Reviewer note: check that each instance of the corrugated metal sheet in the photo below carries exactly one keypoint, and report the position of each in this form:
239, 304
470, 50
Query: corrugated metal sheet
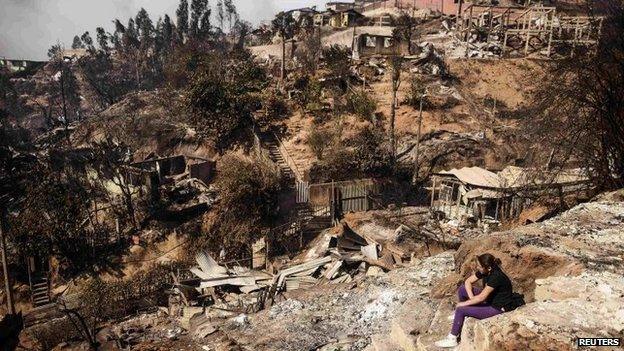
514, 177
475, 176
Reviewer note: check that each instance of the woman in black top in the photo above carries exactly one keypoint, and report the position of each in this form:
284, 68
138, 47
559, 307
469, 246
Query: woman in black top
496, 297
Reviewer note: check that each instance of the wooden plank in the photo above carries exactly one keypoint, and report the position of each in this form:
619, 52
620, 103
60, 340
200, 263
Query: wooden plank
333, 270
311, 271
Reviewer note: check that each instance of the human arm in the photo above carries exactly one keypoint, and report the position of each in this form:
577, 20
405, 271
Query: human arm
481, 297
468, 285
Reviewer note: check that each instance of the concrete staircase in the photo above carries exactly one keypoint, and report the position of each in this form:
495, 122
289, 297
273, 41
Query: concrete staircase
40, 291
275, 153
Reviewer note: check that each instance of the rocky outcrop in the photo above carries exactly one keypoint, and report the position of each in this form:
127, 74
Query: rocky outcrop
566, 308
571, 269
587, 237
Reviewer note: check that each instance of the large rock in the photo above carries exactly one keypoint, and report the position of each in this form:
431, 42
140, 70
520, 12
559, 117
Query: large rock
545, 325
571, 266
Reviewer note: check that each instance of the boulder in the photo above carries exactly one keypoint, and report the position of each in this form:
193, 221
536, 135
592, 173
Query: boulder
570, 266
545, 325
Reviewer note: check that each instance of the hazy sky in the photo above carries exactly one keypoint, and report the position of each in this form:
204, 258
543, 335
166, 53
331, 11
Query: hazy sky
29, 27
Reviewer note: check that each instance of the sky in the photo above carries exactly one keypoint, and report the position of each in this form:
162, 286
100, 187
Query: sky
29, 27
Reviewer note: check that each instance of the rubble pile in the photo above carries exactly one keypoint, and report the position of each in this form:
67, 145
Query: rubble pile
347, 316
334, 260
429, 61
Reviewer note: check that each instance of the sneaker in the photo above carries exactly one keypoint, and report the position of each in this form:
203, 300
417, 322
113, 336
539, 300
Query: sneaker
448, 342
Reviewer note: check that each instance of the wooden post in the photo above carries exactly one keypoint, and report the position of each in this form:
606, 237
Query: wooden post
30, 281
266, 251
433, 188
283, 66
528, 37
458, 201
496, 213
332, 202
5, 268
417, 166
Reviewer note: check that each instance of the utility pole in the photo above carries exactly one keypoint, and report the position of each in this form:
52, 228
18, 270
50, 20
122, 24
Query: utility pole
417, 165
5, 268
62, 81
283, 32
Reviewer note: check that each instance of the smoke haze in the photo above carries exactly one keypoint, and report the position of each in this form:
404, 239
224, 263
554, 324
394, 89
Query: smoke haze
29, 27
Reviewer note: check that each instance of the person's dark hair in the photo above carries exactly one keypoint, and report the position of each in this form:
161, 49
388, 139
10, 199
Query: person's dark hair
489, 261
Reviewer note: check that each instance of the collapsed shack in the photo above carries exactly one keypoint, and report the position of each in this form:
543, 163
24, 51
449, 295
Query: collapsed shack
476, 194
182, 179
224, 290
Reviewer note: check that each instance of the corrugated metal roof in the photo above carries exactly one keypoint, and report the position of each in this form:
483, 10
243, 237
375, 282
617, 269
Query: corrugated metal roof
514, 177
476, 176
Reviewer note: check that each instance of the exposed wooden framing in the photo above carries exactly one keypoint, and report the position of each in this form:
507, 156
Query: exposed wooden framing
535, 28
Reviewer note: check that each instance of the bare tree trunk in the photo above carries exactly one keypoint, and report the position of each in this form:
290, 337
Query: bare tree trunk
396, 83
65, 120
283, 67
5, 267
392, 121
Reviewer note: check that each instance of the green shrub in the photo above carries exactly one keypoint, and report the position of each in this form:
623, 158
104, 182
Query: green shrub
274, 108
416, 89
319, 140
309, 93
359, 102
248, 205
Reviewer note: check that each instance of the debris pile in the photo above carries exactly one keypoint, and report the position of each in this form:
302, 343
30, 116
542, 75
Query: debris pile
332, 318
429, 61
331, 260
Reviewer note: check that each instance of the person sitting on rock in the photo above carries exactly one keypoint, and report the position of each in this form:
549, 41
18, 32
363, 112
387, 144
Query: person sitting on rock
496, 297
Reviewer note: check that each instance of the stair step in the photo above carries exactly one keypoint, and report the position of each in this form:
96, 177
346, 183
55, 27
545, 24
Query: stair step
40, 302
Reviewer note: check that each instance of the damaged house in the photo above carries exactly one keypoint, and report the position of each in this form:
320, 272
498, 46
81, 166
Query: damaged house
375, 45
184, 179
338, 19
474, 193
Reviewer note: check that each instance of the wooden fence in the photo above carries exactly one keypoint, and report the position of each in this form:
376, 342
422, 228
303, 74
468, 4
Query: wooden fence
345, 196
